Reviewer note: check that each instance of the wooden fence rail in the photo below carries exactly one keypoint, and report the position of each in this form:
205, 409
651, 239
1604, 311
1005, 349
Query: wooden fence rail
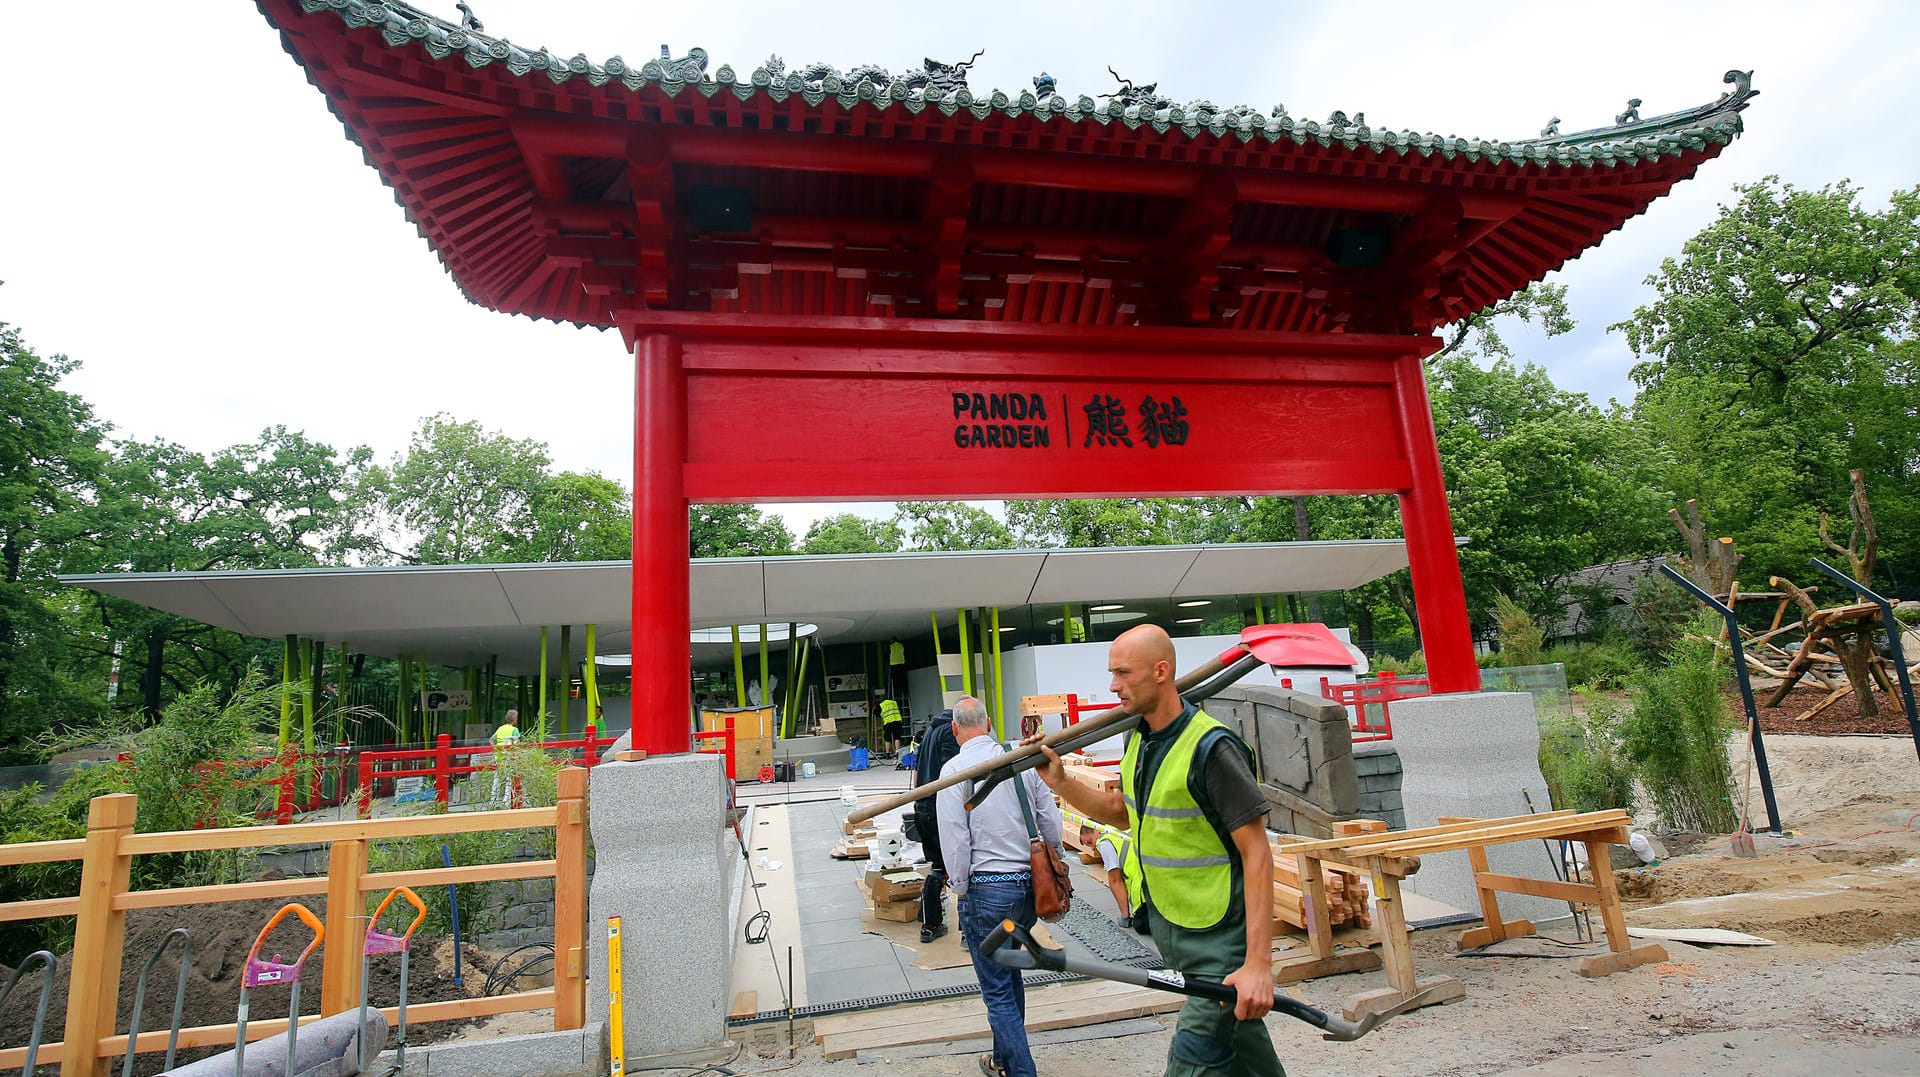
106, 855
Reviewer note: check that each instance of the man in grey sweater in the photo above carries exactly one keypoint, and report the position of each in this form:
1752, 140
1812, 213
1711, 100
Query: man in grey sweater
991, 872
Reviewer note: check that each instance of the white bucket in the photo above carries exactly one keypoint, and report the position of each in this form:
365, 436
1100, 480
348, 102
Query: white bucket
807, 769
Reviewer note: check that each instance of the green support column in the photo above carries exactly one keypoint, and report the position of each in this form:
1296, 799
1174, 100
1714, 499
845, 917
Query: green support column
340, 700
999, 686
566, 679
966, 658
787, 720
590, 681
766, 689
1259, 611
287, 675
800, 679
313, 656
540, 726
401, 711
739, 670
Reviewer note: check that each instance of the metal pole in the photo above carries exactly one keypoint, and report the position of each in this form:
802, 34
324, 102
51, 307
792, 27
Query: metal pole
1746, 693
1893, 640
766, 688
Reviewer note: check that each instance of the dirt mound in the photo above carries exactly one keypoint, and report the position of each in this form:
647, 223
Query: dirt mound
220, 935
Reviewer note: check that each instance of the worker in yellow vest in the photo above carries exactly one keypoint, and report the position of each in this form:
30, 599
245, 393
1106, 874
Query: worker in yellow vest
1189, 798
897, 668
1115, 848
892, 724
505, 736
1075, 630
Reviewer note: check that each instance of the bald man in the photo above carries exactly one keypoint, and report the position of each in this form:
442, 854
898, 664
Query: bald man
1189, 795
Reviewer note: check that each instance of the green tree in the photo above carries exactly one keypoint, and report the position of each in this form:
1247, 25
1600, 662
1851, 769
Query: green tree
848, 533
283, 501
1076, 522
735, 531
1778, 354
1539, 303
459, 494
950, 525
1541, 482
575, 517
50, 462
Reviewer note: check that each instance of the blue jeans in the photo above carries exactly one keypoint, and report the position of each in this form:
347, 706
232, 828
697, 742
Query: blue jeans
981, 909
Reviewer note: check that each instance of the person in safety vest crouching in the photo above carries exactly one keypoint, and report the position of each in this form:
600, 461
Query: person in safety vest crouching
1190, 800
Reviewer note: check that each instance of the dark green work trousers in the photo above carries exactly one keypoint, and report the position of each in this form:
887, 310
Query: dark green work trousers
1208, 1042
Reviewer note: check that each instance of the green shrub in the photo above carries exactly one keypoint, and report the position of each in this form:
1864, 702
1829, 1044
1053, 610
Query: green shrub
1520, 638
1658, 612
1582, 759
1607, 665
1677, 735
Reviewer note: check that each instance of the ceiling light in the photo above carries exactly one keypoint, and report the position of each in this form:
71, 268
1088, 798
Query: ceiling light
1007, 628
1108, 606
1189, 620
1190, 603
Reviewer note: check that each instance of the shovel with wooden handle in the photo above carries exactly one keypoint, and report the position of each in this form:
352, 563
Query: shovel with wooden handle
1012, 946
1305, 646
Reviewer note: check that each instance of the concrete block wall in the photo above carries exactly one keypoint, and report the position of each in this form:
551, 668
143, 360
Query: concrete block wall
1376, 769
1306, 760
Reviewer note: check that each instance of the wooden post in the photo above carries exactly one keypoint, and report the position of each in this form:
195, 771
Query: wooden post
346, 927
1623, 954
570, 902
93, 996
1313, 891
1396, 949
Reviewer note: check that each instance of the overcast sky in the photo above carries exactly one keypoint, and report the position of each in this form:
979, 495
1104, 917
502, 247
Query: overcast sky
180, 212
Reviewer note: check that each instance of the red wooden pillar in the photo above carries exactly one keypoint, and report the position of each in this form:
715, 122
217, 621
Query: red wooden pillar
661, 665
1439, 595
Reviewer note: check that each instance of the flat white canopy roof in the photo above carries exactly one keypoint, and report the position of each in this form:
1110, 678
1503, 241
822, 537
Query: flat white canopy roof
448, 612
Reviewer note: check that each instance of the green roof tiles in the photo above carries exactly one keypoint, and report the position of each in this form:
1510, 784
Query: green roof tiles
1607, 147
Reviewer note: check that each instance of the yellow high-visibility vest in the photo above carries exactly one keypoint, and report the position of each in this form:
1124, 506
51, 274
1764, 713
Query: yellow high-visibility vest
1185, 864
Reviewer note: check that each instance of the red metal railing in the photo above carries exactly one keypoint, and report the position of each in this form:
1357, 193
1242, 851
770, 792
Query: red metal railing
1371, 702
440, 765
725, 749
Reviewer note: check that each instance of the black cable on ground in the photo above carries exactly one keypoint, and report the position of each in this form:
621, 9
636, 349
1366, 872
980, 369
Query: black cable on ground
497, 981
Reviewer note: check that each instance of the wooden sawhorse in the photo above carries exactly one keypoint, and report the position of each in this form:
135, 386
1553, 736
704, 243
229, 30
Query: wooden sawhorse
1386, 858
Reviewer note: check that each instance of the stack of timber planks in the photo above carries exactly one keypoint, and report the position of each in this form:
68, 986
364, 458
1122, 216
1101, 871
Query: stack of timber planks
1346, 895
1346, 888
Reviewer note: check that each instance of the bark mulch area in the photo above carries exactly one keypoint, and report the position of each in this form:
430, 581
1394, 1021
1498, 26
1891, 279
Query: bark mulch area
1840, 719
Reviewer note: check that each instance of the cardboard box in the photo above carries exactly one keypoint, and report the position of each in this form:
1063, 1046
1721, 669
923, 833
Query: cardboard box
902, 885
901, 912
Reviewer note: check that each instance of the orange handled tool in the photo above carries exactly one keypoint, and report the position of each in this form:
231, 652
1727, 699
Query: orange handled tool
380, 942
258, 972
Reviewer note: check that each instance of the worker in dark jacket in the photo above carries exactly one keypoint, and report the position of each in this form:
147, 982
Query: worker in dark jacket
937, 745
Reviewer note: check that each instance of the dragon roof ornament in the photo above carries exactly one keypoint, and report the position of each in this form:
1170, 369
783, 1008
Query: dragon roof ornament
944, 86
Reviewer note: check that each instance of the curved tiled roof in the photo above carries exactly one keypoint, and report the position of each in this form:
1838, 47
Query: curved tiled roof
557, 187
1661, 136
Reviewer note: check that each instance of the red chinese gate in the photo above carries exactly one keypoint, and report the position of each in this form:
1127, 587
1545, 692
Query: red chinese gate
924, 294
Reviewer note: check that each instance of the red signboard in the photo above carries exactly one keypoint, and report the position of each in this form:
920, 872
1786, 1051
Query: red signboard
988, 421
